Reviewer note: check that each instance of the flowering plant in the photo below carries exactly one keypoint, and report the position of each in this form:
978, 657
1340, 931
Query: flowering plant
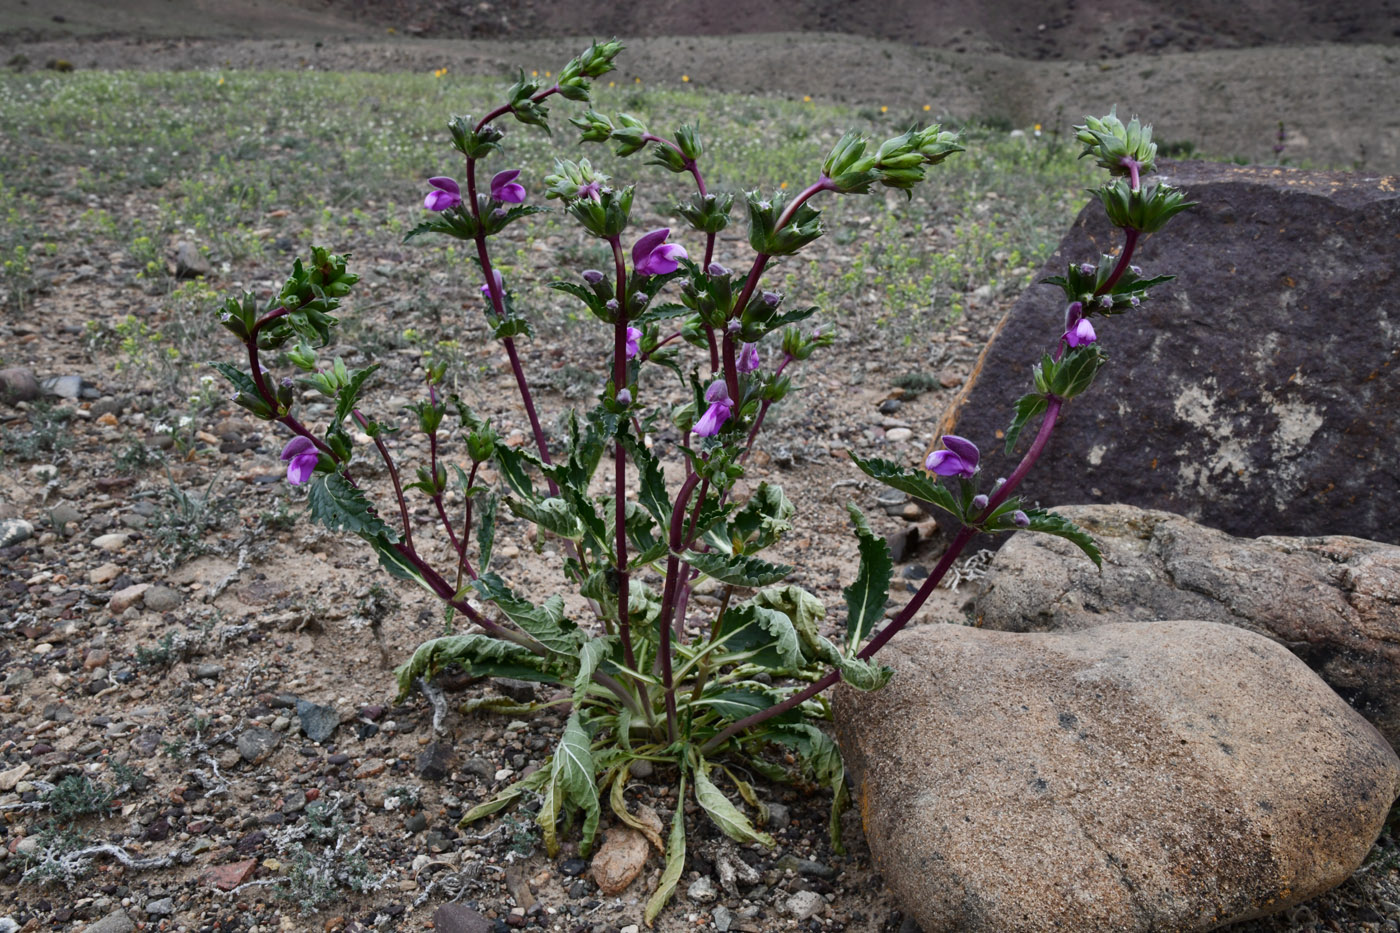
643, 681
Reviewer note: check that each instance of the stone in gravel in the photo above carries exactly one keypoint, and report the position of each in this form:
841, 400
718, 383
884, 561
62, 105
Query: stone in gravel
15, 530
18, 384
1331, 600
779, 816
160, 598
227, 877
805, 905
318, 722
115, 922
146, 743
125, 598
903, 543
521, 691
69, 387
160, 908
370, 768
804, 866
208, 671
104, 574
11, 777
435, 761
890, 405
573, 867
190, 263
1277, 417
459, 918
111, 542
416, 823
1130, 777
898, 435
63, 514
479, 766
619, 860
702, 890
641, 769
723, 918
256, 744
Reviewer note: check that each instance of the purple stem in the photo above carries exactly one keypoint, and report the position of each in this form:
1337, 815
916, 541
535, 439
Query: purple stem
624, 582
393, 475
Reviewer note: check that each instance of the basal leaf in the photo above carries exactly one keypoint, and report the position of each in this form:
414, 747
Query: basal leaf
553, 515
803, 610
592, 654
545, 623
866, 596
478, 655
618, 802
535, 781
736, 570
767, 634
573, 774
730, 820
675, 862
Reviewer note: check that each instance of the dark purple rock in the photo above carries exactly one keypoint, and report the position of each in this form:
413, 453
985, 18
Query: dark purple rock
1258, 392
435, 761
459, 918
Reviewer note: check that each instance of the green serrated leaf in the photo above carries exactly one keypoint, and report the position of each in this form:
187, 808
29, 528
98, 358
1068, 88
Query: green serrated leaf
1052, 523
534, 782
917, 484
675, 863
340, 506
512, 462
867, 595
545, 623
803, 610
766, 633
723, 813
399, 566
486, 531
350, 394
553, 515
573, 776
593, 653
735, 701
478, 655
765, 518
1027, 407
737, 570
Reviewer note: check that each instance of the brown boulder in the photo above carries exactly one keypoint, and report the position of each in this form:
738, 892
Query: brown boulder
1257, 392
620, 859
1124, 779
1333, 601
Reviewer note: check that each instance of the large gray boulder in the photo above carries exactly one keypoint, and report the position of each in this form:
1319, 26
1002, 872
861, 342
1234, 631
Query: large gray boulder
1123, 779
1259, 392
1333, 601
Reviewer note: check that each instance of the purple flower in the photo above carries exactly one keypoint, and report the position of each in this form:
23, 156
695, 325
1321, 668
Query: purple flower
446, 197
301, 458
734, 326
1020, 519
721, 407
652, 255
959, 459
634, 342
1087, 268
623, 396
717, 269
505, 188
1081, 334
500, 284
592, 276
591, 190
748, 358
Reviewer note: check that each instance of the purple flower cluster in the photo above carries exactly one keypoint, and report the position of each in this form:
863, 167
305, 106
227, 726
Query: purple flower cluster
721, 407
959, 458
652, 255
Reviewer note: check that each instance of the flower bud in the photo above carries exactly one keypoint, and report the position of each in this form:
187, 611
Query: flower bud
639, 300
717, 269
772, 299
1020, 519
1087, 268
979, 502
624, 397
592, 276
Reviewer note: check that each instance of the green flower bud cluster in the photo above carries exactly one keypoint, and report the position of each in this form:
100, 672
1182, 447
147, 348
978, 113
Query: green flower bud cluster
1146, 210
801, 346
764, 234
900, 162
1111, 143
707, 213
471, 142
596, 61
522, 105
